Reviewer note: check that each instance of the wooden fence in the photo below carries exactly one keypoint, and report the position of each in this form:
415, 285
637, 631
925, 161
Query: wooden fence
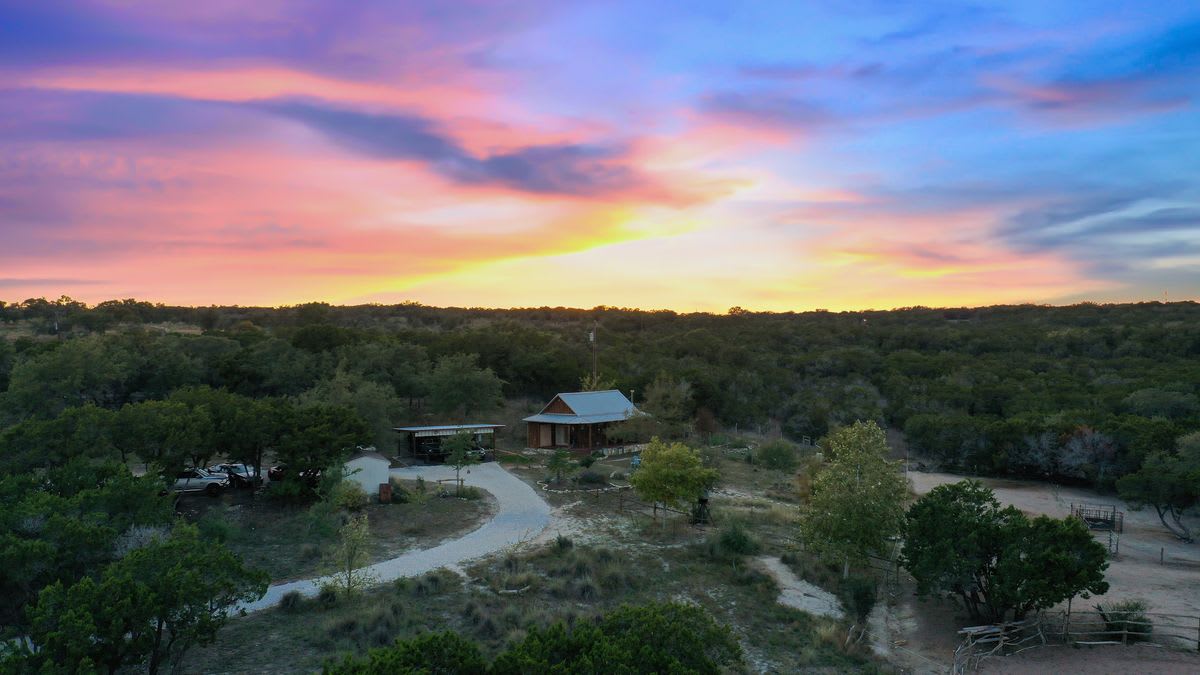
1095, 627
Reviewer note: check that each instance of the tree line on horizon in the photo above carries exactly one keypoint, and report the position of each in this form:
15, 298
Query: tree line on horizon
1083, 394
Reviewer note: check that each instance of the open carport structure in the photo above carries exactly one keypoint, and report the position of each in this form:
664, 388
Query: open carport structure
425, 442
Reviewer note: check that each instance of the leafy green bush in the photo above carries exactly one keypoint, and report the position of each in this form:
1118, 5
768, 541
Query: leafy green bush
430, 653
290, 491
733, 540
214, 525
401, 494
321, 521
349, 495
778, 454
858, 596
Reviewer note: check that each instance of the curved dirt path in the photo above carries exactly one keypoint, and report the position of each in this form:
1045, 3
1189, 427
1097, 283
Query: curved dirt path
521, 515
799, 594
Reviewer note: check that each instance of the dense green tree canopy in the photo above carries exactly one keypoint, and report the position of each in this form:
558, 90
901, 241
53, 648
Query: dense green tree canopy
460, 389
671, 474
1169, 482
1000, 563
147, 608
857, 501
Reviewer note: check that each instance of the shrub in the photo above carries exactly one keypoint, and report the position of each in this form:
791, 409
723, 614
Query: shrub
321, 522
614, 579
585, 589
327, 597
430, 653
778, 454
470, 492
590, 477
587, 462
291, 601
735, 539
309, 551
401, 494
215, 526
1127, 616
558, 588
749, 575
290, 491
518, 581
858, 596
562, 543
349, 495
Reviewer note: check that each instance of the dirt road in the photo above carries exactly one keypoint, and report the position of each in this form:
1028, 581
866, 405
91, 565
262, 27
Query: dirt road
521, 516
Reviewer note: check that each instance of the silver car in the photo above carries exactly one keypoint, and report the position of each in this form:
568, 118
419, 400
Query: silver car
200, 480
240, 475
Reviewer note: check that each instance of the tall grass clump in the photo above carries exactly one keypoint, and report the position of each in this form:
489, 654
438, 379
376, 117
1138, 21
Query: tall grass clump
1127, 617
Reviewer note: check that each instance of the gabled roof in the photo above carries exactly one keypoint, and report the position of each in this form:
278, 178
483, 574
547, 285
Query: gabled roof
588, 407
368, 453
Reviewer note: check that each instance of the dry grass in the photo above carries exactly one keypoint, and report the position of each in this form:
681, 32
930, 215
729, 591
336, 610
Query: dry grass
630, 559
287, 541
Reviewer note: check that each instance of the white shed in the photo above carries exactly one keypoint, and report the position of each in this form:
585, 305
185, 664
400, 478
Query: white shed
369, 469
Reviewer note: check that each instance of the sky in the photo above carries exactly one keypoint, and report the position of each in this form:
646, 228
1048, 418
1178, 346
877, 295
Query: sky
792, 155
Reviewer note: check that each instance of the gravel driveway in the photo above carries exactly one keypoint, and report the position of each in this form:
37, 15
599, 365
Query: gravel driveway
521, 515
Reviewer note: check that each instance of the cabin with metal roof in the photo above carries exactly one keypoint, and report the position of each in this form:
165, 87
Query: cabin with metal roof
579, 420
425, 442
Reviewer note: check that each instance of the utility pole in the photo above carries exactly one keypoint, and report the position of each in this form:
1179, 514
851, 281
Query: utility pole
592, 338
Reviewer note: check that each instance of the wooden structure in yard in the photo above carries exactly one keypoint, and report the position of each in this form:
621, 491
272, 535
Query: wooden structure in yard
425, 442
579, 420
1102, 517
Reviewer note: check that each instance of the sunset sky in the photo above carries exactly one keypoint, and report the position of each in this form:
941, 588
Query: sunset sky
692, 156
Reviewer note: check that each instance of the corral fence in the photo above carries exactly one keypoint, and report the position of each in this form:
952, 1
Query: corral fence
1095, 627
1102, 517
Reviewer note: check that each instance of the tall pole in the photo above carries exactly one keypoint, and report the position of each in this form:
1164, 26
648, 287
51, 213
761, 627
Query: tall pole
592, 335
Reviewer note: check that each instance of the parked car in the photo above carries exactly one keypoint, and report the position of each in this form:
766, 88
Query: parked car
280, 472
240, 475
200, 480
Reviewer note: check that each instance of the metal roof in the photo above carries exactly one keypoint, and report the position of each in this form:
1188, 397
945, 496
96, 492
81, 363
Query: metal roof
449, 427
560, 418
589, 407
596, 402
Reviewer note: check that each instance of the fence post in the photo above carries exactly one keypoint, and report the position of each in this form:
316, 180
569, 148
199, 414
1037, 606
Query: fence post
1125, 633
1067, 622
1198, 635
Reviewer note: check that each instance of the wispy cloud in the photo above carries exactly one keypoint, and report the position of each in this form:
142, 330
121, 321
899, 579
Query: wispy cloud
790, 154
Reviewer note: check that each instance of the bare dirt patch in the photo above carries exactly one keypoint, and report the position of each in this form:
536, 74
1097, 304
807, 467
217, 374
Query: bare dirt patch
798, 594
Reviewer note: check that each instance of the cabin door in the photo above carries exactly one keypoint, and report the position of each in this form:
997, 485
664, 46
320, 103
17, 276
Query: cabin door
562, 432
547, 440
